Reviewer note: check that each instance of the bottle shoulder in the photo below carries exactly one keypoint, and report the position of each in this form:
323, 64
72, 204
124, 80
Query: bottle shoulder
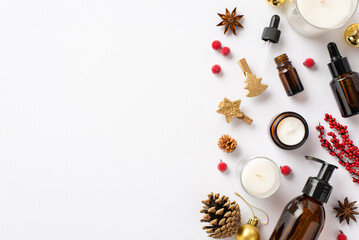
301, 202
346, 76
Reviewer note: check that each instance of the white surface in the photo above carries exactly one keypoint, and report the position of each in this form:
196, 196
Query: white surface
108, 118
325, 13
260, 177
290, 131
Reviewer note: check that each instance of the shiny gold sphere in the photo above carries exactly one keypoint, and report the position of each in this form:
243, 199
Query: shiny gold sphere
248, 232
351, 35
275, 3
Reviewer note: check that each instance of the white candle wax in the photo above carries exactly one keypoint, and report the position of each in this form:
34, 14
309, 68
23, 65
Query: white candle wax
260, 177
325, 13
291, 131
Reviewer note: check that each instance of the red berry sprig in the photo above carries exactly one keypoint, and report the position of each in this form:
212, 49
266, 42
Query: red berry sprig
344, 149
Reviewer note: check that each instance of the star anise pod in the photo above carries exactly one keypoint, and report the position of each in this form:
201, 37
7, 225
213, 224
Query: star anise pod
346, 211
230, 21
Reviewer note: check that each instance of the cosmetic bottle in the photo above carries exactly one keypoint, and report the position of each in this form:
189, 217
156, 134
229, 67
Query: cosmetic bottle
345, 83
303, 218
288, 75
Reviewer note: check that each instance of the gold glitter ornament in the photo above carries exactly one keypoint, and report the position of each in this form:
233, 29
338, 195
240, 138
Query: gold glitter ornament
275, 3
249, 231
351, 35
231, 110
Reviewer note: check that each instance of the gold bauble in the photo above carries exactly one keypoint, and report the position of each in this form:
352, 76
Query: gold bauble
275, 3
249, 231
351, 35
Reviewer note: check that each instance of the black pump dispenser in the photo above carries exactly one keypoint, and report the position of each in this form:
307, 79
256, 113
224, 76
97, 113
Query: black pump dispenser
318, 187
338, 65
272, 33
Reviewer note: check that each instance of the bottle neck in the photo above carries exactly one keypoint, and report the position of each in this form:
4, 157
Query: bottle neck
312, 199
282, 61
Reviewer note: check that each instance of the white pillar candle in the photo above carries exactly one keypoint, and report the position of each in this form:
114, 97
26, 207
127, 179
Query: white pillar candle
314, 17
291, 131
325, 13
260, 177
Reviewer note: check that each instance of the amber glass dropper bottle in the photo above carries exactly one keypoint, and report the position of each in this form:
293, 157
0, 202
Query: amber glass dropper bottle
345, 83
288, 75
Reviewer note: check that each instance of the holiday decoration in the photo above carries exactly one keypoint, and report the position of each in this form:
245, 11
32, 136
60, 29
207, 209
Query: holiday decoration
346, 211
222, 166
231, 110
223, 216
309, 62
345, 150
230, 21
254, 85
216, 45
285, 170
341, 236
351, 35
225, 51
250, 231
275, 3
227, 144
216, 69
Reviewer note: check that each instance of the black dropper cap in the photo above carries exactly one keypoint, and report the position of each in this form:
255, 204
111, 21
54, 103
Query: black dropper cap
318, 187
272, 33
338, 65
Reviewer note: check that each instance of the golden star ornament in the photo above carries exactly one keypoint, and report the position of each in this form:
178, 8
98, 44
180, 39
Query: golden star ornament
230, 109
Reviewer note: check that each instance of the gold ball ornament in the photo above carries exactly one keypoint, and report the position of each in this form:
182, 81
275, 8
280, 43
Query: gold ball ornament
351, 35
249, 231
275, 3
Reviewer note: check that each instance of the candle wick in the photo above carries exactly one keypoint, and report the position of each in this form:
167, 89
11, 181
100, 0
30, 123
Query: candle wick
258, 175
322, 1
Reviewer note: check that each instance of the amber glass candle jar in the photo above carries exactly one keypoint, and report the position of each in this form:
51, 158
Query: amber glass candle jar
288, 75
289, 130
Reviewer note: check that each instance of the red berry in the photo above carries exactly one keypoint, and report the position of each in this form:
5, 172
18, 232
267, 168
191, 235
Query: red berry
225, 51
285, 170
309, 62
216, 69
341, 236
222, 166
216, 45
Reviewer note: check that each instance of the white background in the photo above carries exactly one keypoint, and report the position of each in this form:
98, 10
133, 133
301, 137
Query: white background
108, 117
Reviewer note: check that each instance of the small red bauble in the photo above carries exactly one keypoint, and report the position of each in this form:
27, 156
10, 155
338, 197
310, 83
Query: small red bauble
216, 69
341, 236
216, 45
285, 170
222, 166
225, 51
309, 62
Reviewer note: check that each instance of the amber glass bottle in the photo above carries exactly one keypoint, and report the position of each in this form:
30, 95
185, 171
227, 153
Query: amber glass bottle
303, 218
345, 82
307, 226
288, 75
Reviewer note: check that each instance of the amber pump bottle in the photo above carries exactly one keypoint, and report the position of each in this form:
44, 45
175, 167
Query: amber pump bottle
288, 75
345, 83
303, 218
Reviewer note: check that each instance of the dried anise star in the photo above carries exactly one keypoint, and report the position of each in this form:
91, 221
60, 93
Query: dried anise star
346, 211
230, 21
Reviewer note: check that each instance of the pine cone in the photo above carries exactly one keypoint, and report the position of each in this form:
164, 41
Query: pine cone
227, 144
223, 216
